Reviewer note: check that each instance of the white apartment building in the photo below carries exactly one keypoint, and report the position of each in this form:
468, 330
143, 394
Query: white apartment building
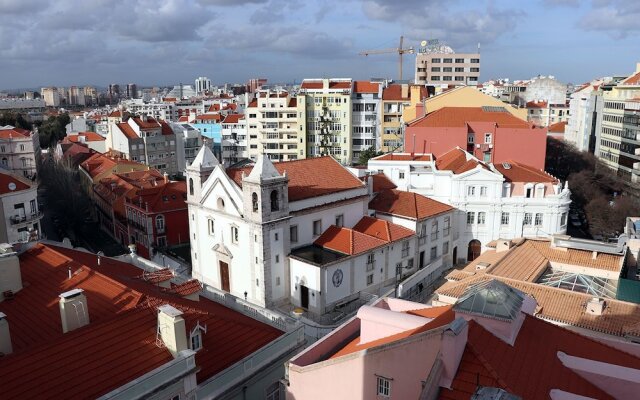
502, 201
365, 120
188, 142
51, 96
584, 107
272, 126
300, 233
19, 150
203, 84
234, 139
21, 214
325, 110
157, 109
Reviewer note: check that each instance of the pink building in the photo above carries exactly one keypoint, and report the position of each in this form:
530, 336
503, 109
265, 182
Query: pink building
490, 133
489, 342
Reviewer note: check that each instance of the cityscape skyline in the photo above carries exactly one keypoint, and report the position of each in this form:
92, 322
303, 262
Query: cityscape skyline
76, 43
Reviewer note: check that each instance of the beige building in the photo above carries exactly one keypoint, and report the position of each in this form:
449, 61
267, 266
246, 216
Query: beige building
469, 97
272, 127
324, 113
21, 214
51, 96
400, 104
19, 150
447, 68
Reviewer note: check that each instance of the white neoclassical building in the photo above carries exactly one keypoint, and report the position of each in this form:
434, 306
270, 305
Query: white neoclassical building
501, 201
306, 233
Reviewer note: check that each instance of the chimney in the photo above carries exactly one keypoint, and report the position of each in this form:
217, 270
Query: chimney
172, 329
166, 177
11, 281
404, 91
74, 311
503, 245
5, 336
595, 306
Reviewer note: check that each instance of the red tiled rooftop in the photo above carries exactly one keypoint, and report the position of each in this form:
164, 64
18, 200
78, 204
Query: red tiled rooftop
348, 241
403, 157
448, 117
380, 182
305, 181
10, 183
632, 80
88, 137
209, 117
366, 87
184, 289
523, 173
119, 343
14, 133
382, 229
455, 160
306, 84
115, 114
394, 92
407, 204
233, 118
149, 123
558, 127
537, 104
127, 131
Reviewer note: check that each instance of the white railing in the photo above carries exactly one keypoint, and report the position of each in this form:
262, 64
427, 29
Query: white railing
257, 361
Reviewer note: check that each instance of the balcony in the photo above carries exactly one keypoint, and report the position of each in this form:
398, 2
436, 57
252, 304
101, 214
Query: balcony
23, 219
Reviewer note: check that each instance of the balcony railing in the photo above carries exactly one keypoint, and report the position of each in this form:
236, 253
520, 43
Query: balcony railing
21, 219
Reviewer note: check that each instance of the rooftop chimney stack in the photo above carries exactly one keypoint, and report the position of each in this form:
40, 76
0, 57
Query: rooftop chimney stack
11, 281
595, 306
5, 336
74, 311
172, 329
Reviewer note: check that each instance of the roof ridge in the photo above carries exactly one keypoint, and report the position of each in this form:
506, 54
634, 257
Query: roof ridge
485, 363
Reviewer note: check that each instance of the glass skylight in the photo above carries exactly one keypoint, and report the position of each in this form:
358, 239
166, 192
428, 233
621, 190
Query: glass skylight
493, 299
597, 287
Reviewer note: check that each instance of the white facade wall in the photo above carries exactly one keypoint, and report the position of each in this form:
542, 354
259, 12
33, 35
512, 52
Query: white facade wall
234, 142
25, 217
365, 122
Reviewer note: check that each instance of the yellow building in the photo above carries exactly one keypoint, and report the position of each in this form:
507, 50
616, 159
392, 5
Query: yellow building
324, 113
467, 96
399, 105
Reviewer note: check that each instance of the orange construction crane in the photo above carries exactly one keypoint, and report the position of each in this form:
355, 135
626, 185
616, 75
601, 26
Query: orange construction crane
400, 50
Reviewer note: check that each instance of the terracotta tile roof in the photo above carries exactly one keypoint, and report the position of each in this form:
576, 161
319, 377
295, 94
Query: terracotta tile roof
186, 288
209, 117
293, 102
10, 183
253, 103
448, 117
632, 80
184, 118
161, 197
348, 241
440, 316
149, 123
603, 261
76, 153
214, 107
169, 99
523, 173
305, 181
161, 275
14, 133
455, 160
407, 204
537, 104
538, 342
382, 229
380, 182
366, 87
115, 114
233, 118
307, 84
99, 163
394, 92
88, 137
127, 131
558, 127
403, 157
119, 343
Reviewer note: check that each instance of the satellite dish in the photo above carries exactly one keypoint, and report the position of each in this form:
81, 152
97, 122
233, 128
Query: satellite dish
12, 186
423, 43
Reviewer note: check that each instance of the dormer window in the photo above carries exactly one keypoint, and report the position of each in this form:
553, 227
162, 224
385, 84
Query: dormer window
254, 201
274, 201
195, 337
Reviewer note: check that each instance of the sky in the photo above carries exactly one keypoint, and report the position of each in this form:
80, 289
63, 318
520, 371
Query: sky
166, 42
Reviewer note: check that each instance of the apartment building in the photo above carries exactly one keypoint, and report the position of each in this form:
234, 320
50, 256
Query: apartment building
272, 127
21, 214
203, 85
188, 142
19, 150
399, 105
544, 114
147, 141
446, 67
234, 139
619, 129
324, 112
156, 109
365, 128
501, 200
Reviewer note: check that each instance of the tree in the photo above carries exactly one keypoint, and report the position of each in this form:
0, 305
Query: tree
365, 155
607, 217
15, 119
53, 130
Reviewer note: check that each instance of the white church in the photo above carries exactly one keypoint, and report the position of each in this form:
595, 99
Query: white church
307, 233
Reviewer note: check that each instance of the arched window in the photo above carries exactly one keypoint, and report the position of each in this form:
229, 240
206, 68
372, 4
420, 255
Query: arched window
220, 203
159, 222
5, 161
254, 201
274, 201
191, 186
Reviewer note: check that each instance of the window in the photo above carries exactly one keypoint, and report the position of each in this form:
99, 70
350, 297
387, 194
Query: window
212, 229
447, 60
487, 138
277, 281
445, 248
459, 60
254, 201
538, 219
21, 147
435, 78
506, 190
447, 226
340, 220
529, 192
483, 191
528, 218
293, 233
191, 186
405, 248
563, 219
401, 175
272, 392
540, 191
162, 241
277, 258
481, 217
274, 201
196, 339
370, 261
369, 279
276, 237
471, 190
317, 227
410, 263
471, 218
160, 223
234, 234
471, 138
435, 60
504, 218
434, 253
434, 230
